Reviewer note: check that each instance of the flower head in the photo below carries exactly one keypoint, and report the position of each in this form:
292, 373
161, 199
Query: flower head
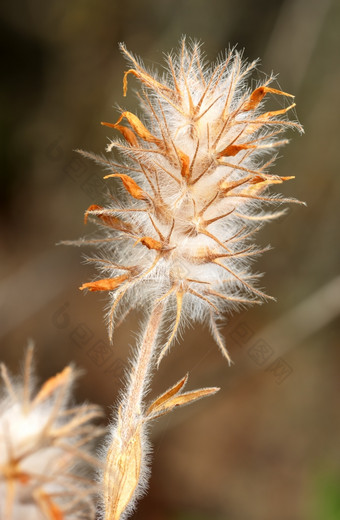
43, 448
194, 178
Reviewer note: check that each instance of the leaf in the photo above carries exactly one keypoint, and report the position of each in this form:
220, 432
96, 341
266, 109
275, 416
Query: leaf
130, 185
105, 284
183, 399
169, 393
172, 398
122, 472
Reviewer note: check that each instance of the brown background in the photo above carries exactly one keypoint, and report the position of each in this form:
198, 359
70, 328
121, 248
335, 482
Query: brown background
267, 446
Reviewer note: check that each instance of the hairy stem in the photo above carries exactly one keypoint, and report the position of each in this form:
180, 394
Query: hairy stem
141, 371
125, 461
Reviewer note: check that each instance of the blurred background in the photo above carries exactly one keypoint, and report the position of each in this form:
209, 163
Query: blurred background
267, 446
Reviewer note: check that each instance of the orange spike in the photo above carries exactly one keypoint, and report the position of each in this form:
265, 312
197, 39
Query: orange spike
150, 243
89, 209
139, 128
56, 513
130, 185
270, 180
185, 163
125, 131
23, 478
233, 149
259, 184
258, 94
108, 220
53, 511
130, 71
258, 179
144, 77
52, 384
267, 115
106, 284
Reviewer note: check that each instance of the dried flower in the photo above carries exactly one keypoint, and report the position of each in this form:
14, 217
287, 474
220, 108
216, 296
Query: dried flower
178, 243
43, 451
195, 183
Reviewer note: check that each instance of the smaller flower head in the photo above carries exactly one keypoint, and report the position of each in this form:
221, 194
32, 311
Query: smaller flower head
43, 449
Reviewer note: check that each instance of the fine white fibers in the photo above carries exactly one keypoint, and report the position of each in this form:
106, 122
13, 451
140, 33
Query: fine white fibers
44, 444
194, 189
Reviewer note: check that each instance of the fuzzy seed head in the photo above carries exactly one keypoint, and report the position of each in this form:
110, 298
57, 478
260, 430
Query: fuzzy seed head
194, 187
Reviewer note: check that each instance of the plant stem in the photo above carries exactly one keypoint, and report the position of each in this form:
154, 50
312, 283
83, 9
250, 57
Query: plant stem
141, 371
125, 461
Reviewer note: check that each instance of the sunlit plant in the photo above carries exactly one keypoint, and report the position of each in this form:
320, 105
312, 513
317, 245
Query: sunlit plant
194, 187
